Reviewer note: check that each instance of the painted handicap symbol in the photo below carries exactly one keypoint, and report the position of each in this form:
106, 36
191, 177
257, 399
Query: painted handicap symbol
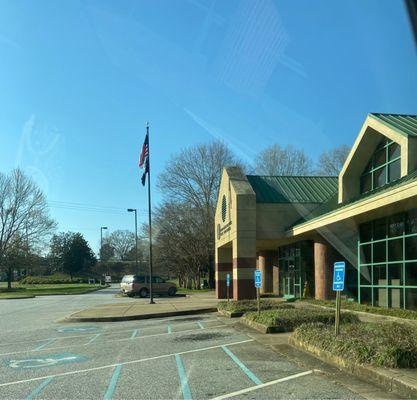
78, 329
46, 361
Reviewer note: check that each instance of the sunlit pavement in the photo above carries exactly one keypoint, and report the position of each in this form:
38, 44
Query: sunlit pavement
197, 357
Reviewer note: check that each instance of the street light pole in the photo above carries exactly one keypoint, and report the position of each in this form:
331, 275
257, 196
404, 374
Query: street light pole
101, 240
136, 236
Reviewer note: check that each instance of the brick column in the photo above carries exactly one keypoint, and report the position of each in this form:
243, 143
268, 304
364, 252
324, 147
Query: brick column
275, 273
244, 264
321, 269
265, 265
224, 266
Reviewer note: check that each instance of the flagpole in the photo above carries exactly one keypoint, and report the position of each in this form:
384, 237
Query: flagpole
150, 219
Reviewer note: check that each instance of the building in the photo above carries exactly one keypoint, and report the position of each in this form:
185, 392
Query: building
295, 228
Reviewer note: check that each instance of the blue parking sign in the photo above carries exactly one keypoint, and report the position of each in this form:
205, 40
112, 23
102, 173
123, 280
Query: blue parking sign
339, 276
258, 278
228, 280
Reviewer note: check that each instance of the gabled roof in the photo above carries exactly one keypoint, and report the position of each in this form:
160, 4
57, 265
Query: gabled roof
402, 123
331, 204
293, 189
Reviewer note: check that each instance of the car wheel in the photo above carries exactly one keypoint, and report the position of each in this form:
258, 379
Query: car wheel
172, 291
143, 292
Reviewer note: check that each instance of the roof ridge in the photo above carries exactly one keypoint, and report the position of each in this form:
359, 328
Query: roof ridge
294, 176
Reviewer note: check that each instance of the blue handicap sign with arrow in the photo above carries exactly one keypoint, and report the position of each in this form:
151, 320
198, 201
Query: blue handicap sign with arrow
339, 276
258, 278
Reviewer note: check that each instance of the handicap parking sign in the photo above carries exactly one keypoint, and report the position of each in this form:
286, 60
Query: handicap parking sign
339, 276
228, 280
258, 278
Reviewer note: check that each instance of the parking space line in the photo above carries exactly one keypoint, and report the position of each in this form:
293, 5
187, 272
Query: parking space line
169, 329
243, 367
40, 347
186, 392
257, 387
134, 333
111, 341
200, 325
93, 338
80, 371
113, 383
39, 388
105, 332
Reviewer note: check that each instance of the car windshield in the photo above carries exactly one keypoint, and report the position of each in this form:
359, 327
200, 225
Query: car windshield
208, 199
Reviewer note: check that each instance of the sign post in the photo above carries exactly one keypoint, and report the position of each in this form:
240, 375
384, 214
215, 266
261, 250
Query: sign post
228, 286
338, 287
258, 283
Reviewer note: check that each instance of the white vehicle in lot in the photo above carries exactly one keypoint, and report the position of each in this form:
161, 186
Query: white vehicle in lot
139, 285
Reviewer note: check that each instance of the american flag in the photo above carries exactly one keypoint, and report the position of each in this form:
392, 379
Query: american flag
144, 158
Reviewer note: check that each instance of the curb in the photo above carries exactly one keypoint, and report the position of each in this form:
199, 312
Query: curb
17, 298
385, 378
263, 328
139, 316
230, 314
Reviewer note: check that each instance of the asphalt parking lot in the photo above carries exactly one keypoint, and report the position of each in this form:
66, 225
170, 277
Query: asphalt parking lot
189, 357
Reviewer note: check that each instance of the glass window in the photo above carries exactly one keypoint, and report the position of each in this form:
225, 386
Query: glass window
394, 171
393, 151
380, 274
411, 248
380, 158
411, 299
380, 297
379, 252
366, 297
411, 225
366, 254
396, 225
380, 177
365, 232
395, 274
395, 250
365, 275
380, 229
395, 298
410, 274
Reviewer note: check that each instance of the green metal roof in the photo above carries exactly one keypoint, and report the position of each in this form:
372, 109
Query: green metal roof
293, 189
332, 205
404, 124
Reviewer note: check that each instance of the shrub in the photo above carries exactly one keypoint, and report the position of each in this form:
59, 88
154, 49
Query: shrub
390, 345
392, 312
51, 280
286, 320
251, 305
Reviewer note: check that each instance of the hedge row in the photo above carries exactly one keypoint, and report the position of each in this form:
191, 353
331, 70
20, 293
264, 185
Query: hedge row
392, 312
388, 345
251, 305
286, 320
51, 280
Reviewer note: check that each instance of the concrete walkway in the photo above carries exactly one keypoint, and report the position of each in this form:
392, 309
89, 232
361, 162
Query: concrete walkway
141, 309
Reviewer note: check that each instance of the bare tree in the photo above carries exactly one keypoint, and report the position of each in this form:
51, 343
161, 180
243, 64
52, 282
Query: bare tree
331, 161
122, 242
277, 160
181, 243
192, 178
24, 213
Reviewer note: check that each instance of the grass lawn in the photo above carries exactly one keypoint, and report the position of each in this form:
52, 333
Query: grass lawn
20, 291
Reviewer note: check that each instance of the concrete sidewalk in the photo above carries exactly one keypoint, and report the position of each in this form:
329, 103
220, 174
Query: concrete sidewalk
141, 309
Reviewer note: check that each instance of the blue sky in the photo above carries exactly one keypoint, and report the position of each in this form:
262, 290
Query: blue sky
79, 80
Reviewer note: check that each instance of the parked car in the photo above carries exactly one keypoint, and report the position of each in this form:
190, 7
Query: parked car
133, 285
